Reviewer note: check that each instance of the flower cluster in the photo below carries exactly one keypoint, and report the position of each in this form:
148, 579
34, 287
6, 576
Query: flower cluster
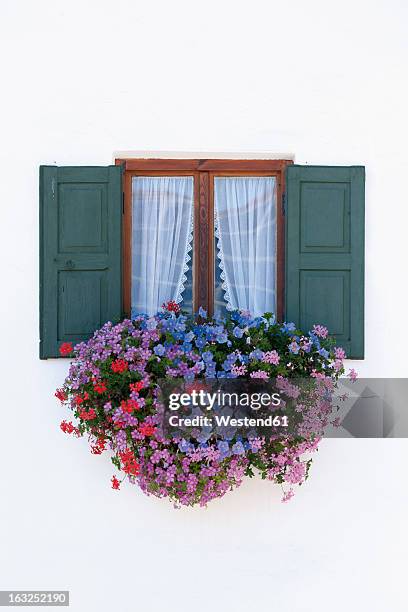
112, 391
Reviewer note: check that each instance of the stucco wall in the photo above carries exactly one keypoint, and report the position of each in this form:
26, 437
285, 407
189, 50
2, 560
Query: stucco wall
323, 82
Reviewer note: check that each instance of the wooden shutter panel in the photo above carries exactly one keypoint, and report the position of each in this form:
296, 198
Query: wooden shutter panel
325, 251
80, 253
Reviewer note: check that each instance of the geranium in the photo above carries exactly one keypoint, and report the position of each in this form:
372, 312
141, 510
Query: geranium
147, 430
66, 348
129, 405
172, 306
67, 427
119, 365
87, 415
59, 394
112, 390
115, 483
99, 386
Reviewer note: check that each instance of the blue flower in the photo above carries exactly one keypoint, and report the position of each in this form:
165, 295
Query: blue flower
256, 354
238, 448
227, 364
159, 350
225, 375
222, 338
244, 319
238, 332
324, 353
185, 446
294, 347
315, 340
200, 343
224, 449
288, 327
188, 337
210, 332
257, 322
202, 313
200, 365
207, 356
210, 370
151, 324
203, 436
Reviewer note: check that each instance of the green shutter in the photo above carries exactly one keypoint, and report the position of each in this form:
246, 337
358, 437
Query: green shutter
80, 253
325, 251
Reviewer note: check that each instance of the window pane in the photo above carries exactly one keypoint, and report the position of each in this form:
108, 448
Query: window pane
162, 208
245, 219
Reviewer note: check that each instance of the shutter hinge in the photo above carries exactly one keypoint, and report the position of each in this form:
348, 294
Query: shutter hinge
284, 203
53, 188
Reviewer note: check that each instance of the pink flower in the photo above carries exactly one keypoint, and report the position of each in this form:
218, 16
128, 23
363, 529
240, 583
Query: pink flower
271, 357
295, 473
339, 352
288, 495
238, 370
260, 374
318, 375
320, 331
353, 374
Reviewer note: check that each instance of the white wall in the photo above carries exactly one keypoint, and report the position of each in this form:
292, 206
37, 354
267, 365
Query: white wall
81, 80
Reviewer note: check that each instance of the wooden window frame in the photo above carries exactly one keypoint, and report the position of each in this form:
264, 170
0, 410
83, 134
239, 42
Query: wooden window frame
204, 171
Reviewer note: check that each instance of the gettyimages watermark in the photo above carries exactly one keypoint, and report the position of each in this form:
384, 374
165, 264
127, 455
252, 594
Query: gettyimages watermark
228, 408
205, 407
208, 401
300, 407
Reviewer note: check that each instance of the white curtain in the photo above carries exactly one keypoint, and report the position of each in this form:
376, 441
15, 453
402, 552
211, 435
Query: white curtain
161, 239
245, 209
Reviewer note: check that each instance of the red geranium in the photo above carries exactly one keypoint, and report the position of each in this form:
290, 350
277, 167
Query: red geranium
78, 399
119, 365
147, 430
67, 427
115, 483
129, 405
66, 348
87, 415
171, 306
137, 386
99, 386
61, 395
130, 465
99, 447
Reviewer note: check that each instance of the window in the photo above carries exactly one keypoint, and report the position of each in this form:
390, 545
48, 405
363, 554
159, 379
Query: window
236, 236
304, 252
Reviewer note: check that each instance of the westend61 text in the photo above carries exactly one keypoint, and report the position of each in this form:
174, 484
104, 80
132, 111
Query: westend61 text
228, 421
